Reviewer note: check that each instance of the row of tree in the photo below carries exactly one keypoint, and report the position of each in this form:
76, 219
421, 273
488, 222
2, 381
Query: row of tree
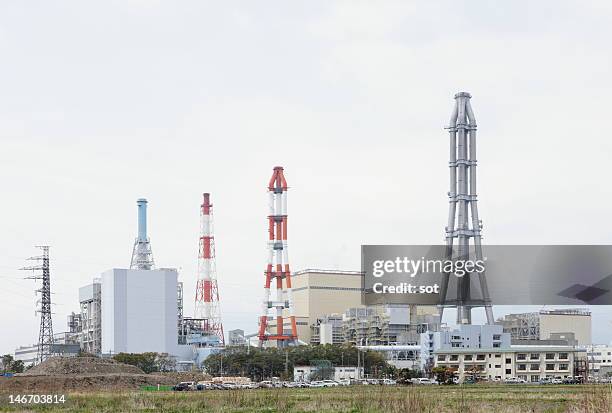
260, 364
148, 362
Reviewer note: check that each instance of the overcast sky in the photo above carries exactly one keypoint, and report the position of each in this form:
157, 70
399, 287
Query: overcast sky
103, 103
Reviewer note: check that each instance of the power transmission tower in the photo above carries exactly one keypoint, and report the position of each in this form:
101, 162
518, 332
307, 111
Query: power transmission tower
42, 272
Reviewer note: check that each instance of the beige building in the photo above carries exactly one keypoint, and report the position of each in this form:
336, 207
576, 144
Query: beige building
317, 293
528, 363
576, 321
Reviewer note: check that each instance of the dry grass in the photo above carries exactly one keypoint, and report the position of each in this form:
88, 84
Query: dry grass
370, 399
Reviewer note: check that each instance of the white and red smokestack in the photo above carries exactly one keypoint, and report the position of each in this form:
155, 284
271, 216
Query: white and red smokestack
207, 291
278, 265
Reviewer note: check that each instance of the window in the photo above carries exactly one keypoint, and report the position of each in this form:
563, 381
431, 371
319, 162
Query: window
441, 358
521, 356
534, 356
562, 356
550, 356
534, 367
496, 336
480, 357
535, 379
550, 367
522, 367
498, 366
454, 357
496, 345
498, 356
455, 345
563, 367
522, 377
508, 361
467, 357
508, 371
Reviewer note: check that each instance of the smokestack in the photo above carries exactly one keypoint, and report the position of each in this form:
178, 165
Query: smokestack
142, 219
142, 256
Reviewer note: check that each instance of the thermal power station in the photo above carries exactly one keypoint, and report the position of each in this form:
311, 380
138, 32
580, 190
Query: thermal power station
139, 304
207, 308
278, 267
463, 222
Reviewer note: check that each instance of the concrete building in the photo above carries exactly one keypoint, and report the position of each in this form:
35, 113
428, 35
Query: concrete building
327, 330
304, 373
317, 293
376, 325
564, 324
139, 311
576, 321
465, 337
529, 363
599, 360
236, 338
90, 299
402, 356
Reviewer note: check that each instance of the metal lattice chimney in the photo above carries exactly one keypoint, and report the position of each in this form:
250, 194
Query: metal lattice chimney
463, 222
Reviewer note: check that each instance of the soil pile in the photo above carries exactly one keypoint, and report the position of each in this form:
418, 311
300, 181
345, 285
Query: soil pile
81, 365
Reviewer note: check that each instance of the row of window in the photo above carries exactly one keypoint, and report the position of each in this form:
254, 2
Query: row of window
536, 356
519, 357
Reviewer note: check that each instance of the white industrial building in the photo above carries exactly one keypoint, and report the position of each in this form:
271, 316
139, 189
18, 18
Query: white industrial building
139, 311
465, 337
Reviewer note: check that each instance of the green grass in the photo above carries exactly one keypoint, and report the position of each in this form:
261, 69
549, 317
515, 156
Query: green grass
371, 399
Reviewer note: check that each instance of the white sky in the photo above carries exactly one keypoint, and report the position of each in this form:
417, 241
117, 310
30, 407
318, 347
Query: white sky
103, 103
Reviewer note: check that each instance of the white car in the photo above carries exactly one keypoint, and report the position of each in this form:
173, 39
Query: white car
423, 380
329, 383
344, 382
389, 382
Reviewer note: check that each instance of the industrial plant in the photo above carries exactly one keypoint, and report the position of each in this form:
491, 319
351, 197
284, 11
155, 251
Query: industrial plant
140, 309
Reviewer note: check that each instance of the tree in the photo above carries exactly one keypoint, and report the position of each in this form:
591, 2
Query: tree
444, 375
10, 365
145, 361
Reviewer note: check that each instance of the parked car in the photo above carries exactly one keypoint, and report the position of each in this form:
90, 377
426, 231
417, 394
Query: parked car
422, 380
545, 380
329, 383
389, 382
183, 386
344, 382
316, 383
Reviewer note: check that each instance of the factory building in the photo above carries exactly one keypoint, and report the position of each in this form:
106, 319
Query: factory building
236, 337
317, 293
139, 311
91, 317
599, 360
571, 325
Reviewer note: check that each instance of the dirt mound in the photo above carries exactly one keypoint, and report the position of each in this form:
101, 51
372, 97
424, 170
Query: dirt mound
80, 383
184, 376
81, 365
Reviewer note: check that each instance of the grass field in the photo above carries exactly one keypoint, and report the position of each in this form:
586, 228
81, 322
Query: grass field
469, 398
